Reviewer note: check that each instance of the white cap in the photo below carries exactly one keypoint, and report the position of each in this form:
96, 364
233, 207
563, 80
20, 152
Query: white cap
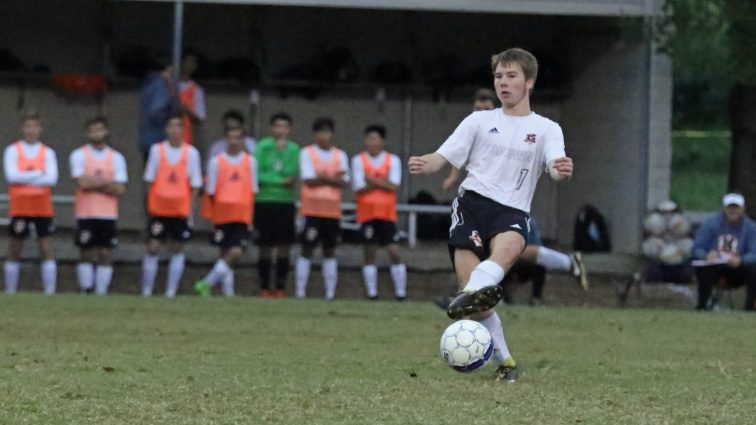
733, 199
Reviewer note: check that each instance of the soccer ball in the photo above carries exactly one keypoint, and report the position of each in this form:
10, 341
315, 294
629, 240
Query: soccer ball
655, 224
466, 345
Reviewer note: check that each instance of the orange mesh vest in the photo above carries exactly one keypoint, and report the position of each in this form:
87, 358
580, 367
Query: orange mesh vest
187, 97
322, 201
171, 194
234, 199
96, 204
27, 200
206, 203
376, 204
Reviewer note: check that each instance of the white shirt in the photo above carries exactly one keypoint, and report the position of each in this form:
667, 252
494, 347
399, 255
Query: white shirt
307, 169
76, 161
506, 155
212, 171
193, 168
221, 145
358, 172
34, 178
200, 110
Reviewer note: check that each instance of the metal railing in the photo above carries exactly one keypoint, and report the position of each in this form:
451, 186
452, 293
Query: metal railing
412, 210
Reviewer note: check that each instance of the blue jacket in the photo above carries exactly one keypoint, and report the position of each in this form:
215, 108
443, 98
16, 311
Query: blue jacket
707, 237
155, 106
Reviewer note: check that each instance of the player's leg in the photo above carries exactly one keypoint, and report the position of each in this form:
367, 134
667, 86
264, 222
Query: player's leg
85, 270
282, 269
369, 268
49, 266
554, 260
537, 275
178, 232
264, 264
219, 269
157, 234
18, 231
176, 266
331, 228
309, 238
104, 272
398, 270
231, 256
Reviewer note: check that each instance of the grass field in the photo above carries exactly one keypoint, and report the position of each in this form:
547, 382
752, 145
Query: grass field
73, 359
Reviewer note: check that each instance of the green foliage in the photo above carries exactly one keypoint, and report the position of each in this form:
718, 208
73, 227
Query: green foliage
125, 360
700, 165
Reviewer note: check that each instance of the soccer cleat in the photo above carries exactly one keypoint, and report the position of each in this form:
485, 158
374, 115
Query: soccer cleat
471, 302
202, 288
578, 270
508, 374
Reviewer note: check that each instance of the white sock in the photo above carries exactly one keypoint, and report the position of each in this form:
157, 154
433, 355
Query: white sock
12, 271
217, 273
487, 273
149, 271
228, 283
553, 260
175, 271
85, 273
49, 276
103, 276
493, 324
399, 276
330, 276
302, 274
370, 275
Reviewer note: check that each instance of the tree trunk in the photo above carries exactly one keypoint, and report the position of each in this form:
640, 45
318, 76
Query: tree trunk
743, 157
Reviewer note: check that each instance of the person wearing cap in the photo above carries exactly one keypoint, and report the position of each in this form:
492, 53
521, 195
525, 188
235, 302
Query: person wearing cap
725, 247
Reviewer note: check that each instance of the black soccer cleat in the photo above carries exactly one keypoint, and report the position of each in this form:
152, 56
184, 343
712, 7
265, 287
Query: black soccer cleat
471, 302
508, 374
577, 269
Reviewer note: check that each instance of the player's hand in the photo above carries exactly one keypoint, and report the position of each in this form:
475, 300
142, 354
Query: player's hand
563, 166
289, 181
419, 165
712, 256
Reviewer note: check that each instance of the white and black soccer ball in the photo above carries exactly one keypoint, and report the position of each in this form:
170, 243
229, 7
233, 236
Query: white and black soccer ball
466, 346
655, 224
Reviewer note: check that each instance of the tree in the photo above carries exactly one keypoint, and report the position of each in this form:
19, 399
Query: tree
713, 42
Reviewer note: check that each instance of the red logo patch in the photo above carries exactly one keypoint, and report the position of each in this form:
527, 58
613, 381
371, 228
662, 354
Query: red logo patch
530, 138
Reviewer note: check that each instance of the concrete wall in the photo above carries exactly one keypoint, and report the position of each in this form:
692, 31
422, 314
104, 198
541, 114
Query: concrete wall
610, 127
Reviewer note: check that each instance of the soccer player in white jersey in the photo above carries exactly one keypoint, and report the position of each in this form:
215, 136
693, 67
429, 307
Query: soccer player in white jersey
31, 171
506, 151
100, 175
376, 176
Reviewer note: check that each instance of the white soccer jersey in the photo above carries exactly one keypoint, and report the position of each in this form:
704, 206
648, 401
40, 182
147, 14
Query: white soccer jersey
193, 168
506, 155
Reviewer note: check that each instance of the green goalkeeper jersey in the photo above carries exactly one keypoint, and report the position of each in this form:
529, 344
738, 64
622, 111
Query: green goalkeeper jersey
274, 166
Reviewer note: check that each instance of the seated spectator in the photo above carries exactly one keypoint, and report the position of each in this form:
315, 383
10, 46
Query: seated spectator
725, 250
667, 245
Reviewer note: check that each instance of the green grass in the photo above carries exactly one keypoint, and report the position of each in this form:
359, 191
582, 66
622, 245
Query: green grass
700, 167
125, 360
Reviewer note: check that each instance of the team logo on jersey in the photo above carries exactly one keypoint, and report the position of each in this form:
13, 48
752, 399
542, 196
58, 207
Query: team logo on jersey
98, 173
278, 166
369, 232
85, 236
30, 168
235, 176
530, 138
19, 226
172, 178
475, 237
218, 236
311, 234
493, 131
157, 228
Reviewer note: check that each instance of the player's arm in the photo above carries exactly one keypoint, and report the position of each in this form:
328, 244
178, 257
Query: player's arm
558, 165
451, 179
426, 164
